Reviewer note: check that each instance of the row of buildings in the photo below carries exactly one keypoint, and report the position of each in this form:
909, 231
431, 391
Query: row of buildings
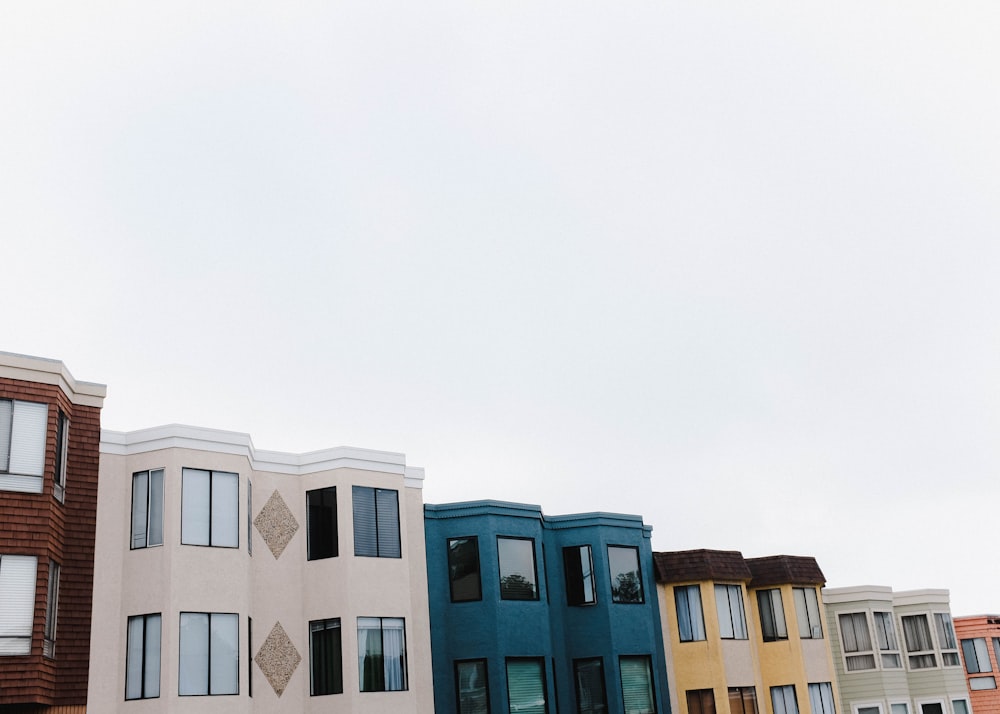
181, 569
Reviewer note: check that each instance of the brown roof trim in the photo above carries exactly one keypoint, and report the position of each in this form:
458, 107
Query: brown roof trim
785, 570
696, 565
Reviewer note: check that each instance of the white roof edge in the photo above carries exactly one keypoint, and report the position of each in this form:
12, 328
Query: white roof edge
882, 592
52, 371
237, 443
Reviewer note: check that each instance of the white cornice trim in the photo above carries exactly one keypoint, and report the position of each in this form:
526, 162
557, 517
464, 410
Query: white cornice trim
52, 371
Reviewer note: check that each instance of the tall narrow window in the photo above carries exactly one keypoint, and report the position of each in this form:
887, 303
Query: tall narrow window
946, 637
463, 569
772, 615
588, 676
249, 517
209, 654
732, 616
526, 689
382, 654
807, 613
210, 508
142, 662
626, 579
376, 522
637, 684
977, 655
518, 575
17, 603
885, 635
701, 701
147, 508
919, 646
321, 523
62, 447
856, 641
23, 427
325, 658
690, 619
51, 611
783, 700
821, 698
578, 564
472, 684
742, 700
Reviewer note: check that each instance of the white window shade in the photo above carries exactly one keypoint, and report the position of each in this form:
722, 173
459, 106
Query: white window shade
17, 603
23, 427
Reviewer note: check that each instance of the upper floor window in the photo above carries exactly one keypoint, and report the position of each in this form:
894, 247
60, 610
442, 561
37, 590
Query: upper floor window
783, 699
946, 638
382, 654
919, 646
526, 688
772, 615
732, 616
142, 658
742, 700
17, 603
856, 641
325, 657
210, 508
376, 522
637, 684
463, 569
51, 611
62, 450
147, 508
885, 635
518, 575
701, 701
977, 655
821, 698
578, 564
588, 674
690, 619
23, 426
472, 683
321, 523
626, 580
209, 654
807, 613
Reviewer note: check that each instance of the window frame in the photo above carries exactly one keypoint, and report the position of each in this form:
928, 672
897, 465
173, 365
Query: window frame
51, 611
577, 577
825, 694
208, 654
543, 676
597, 706
886, 653
535, 584
25, 439
729, 589
388, 543
144, 647
62, 455
741, 696
456, 667
330, 671
920, 655
944, 629
650, 680
858, 654
705, 699
455, 575
403, 660
146, 541
618, 599
976, 655
784, 689
213, 514
805, 599
773, 626
18, 603
322, 536
689, 614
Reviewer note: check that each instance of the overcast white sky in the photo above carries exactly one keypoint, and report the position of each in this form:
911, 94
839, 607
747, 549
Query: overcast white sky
732, 266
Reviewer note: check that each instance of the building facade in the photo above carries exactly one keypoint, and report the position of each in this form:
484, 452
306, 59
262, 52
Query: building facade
895, 652
49, 434
979, 638
235, 580
538, 614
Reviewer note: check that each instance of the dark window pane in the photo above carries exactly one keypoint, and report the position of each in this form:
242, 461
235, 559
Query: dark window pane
463, 569
578, 564
473, 689
321, 523
626, 582
325, 657
590, 695
517, 569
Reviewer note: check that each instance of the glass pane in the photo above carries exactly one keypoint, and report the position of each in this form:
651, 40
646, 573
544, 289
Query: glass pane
463, 569
387, 517
637, 685
473, 694
325, 656
195, 498
394, 652
900, 708
365, 536
225, 654
517, 569
526, 687
626, 584
151, 676
155, 508
140, 491
980, 683
321, 523
370, 666
17, 597
590, 695
134, 657
192, 673
6, 410
225, 510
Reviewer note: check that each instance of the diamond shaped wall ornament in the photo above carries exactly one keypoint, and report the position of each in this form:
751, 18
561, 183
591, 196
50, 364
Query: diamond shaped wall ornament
278, 658
276, 524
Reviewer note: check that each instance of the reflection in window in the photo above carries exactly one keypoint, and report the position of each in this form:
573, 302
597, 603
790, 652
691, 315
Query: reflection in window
518, 577
473, 687
463, 569
626, 583
579, 567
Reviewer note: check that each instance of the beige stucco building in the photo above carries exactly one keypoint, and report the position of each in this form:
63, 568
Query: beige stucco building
229, 579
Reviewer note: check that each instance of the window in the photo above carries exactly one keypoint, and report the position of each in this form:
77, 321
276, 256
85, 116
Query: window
772, 615
919, 647
637, 685
899, 708
321, 523
23, 427
210, 508
62, 446
932, 708
526, 689
382, 654
701, 701
376, 522
978, 684
326, 673
996, 649
210, 654
885, 634
857, 642
742, 700
874, 709
17, 603
51, 611
463, 569
807, 613
960, 706
732, 617
977, 656
147, 509
690, 620
473, 687
518, 575
946, 638
249, 656
783, 700
626, 580
588, 676
821, 698
578, 565
249, 517
142, 657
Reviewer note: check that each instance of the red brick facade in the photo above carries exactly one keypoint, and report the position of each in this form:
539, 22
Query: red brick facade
987, 627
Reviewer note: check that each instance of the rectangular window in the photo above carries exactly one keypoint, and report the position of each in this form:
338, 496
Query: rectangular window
701, 701
382, 654
946, 638
807, 613
209, 654
142, 657
17, 603
919, 646
996, 650
626, 579
249, 517
210, 508
376, 522
325, 658
526, 689
977, 684
588, 676
578, 564
977, 656
23, 427
783, 700
732, 616
62, 447
960, 706
885, 635
742, 700
821, 698
518, 574
856, 640
637, 685
147, 509
463, 569
690, 619
932, 708
249, 656
321, 523
772, 615
473, 691
899, 708
876, 709
51, 611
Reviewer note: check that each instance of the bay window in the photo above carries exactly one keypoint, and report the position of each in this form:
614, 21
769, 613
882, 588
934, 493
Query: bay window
526, 688
209, 654
463, 569
772, 615
142, 657
690, 619
23, 427
626, 579
732, 616
147, 509
382, 654
210, 508
17, 603
376, 522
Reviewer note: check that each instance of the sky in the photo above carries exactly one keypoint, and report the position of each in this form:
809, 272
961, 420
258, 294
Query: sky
730, 266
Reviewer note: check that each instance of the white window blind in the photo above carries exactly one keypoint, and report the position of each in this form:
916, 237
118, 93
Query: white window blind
17, 603
22, 445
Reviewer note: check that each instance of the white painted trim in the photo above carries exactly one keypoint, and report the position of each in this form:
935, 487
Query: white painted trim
51, 371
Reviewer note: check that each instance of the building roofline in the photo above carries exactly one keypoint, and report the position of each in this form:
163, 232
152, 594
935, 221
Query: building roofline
52, 371
490, 507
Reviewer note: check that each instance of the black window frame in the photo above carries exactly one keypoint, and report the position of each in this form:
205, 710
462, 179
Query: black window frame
596, 707
544, 676
536, 588
371, 510
739, 694
148, 474
456, 665
142, 665
212, 473
575, 577
317, 662
62, 457
705, 699
638, 574
458, 571
769, 612
321, 524
208, 656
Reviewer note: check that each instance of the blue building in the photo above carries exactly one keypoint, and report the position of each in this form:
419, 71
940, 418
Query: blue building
539, 614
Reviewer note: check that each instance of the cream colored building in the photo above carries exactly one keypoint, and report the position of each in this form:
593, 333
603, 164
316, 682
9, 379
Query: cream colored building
229, 579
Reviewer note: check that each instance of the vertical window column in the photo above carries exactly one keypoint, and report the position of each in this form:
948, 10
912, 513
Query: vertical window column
17, 603
147, 509
142, 662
